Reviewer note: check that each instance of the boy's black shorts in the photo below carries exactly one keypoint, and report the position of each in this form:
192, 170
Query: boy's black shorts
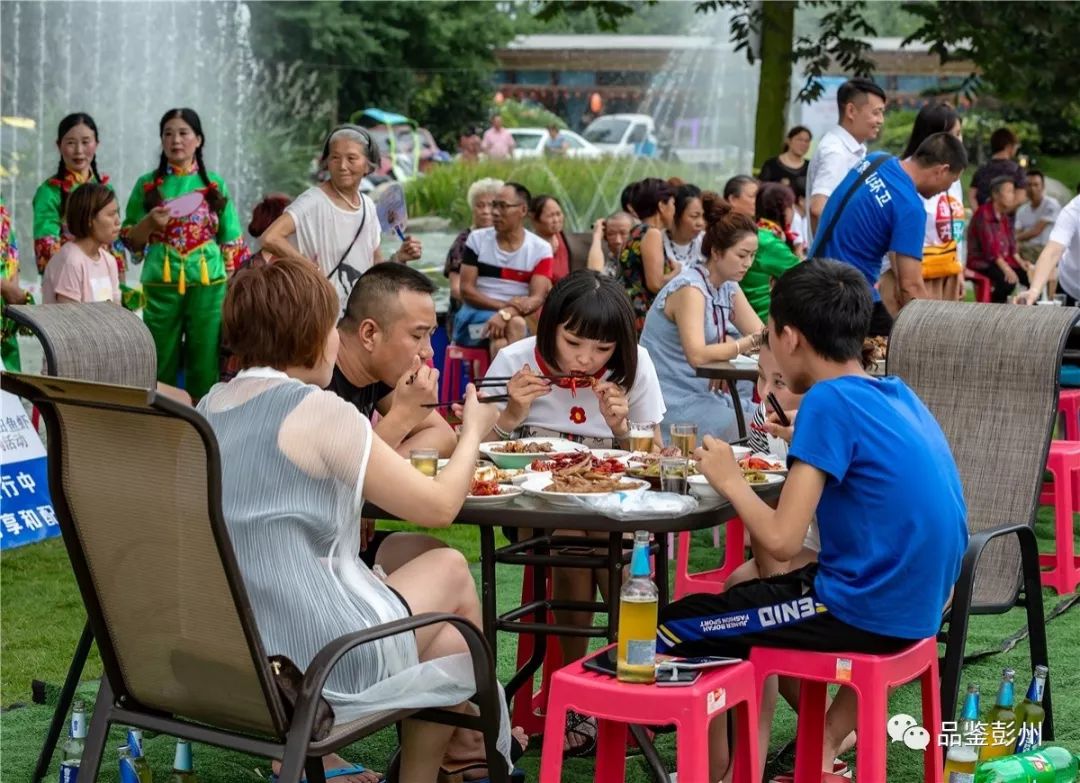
781, 611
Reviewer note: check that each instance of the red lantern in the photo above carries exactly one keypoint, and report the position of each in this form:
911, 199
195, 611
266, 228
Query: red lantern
596, 103
499, 98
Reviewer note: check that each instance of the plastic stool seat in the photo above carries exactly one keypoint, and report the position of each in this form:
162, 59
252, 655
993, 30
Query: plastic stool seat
1063, 463
709, 581
616, 705
871, 677
457, 359
983, 287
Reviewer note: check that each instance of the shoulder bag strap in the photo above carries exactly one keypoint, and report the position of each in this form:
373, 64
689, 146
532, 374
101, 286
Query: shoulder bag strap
356, 236
822, 239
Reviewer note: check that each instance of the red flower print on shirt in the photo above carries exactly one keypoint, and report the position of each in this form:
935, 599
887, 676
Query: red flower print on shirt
577, 415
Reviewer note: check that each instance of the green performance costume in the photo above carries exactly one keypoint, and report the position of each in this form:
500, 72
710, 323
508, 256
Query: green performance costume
9, 270
185, 268
50, 229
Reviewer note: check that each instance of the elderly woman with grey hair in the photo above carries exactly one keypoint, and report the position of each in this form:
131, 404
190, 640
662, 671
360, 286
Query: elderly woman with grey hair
333, 223
480, 196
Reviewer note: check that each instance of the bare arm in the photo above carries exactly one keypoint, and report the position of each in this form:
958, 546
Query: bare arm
455, 285
909, 277
276, 238
973, 197
155, 220
431, 433
1044, 268
595, 261
687, 308
652, 261
817, 206
1034, 231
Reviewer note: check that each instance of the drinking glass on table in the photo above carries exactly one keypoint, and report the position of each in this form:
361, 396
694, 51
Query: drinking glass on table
673, 474
425, 460
684, 437
641, 436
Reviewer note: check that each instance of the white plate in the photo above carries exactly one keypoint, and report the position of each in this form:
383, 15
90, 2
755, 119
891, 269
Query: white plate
536, 482
739, 451
744, 361
506, 494
520, 460
610, 453
780, 471
700, 486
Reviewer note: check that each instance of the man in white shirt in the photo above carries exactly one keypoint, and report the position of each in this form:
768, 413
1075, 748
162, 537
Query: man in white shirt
1062, 252
1035, 218
861, 104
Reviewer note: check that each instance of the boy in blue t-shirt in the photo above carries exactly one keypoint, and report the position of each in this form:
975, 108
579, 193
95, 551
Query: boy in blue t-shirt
872, 461
885, 215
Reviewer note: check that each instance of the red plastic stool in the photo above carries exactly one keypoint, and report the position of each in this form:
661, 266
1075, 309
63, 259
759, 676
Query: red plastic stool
529, 705
709, 581
1063, 494
455, 360
692, 708
1069, 411
870, 676
982, 285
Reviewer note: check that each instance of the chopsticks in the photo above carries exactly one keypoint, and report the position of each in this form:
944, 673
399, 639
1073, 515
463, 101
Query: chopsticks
781, 417
494, 398
505, 379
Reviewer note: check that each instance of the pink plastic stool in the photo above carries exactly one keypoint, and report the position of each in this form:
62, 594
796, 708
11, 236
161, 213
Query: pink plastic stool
982, 285
692, 708
529, 705
709, 581
455, 360
870, 676
1069, 411
1064, 493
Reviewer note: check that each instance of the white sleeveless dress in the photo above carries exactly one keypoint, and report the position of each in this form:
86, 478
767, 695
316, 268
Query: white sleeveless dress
293, 463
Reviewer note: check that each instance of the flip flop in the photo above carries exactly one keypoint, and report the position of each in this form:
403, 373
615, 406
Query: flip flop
841, 772
340, 772
583, 726
517, 750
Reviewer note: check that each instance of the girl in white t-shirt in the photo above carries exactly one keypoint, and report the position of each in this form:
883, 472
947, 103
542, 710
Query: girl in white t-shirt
84, 270
586, 327
333, 223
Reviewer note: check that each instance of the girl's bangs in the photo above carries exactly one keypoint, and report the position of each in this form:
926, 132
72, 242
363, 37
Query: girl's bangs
596, 318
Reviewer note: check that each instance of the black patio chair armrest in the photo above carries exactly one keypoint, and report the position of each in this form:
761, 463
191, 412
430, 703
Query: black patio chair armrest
324, 661
977, 542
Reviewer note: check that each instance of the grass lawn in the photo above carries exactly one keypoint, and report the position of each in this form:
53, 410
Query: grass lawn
1065, 168
41, 616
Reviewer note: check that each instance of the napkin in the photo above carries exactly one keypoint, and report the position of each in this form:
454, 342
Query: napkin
639, 505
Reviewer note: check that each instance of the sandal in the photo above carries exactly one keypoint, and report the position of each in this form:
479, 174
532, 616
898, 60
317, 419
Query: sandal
584, 727
841, 772
457, 775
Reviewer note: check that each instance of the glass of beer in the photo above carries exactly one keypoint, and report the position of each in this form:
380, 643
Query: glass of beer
684, 436
425, 460
673, 473
641, 436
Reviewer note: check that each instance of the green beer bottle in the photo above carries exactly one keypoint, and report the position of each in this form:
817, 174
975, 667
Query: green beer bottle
1001, 720
1045, 765
1030, 713
960, 759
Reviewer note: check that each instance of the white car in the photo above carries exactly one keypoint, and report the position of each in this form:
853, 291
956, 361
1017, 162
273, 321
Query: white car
529, 143
623, 134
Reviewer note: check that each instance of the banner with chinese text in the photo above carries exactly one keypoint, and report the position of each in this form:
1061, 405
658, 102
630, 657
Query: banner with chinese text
26, 512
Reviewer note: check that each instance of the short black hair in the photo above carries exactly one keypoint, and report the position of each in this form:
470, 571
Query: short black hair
626, 198
798, 187
736, 185
1002, 138
1036, 173
649, 194
593, 307
855, 90
375, 294
942, 148
829, 303
521, 191
997, 183
684, 194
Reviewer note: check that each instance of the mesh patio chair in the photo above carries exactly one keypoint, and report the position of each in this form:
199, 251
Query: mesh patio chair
147, 555
989, 374
92, 342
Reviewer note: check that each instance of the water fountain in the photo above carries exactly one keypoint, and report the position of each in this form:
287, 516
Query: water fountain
124, 63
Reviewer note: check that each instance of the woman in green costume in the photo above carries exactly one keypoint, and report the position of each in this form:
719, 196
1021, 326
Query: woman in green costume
77, 141
11, 291
181, 219
775, 206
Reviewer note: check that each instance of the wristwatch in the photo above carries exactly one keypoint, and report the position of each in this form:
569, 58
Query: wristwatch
506, 314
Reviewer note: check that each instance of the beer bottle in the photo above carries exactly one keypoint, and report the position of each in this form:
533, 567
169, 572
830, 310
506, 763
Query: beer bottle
183, 770
960, 760
1030, 713
1048, 764
1001, 720
73, 749
139, 763
638, 602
